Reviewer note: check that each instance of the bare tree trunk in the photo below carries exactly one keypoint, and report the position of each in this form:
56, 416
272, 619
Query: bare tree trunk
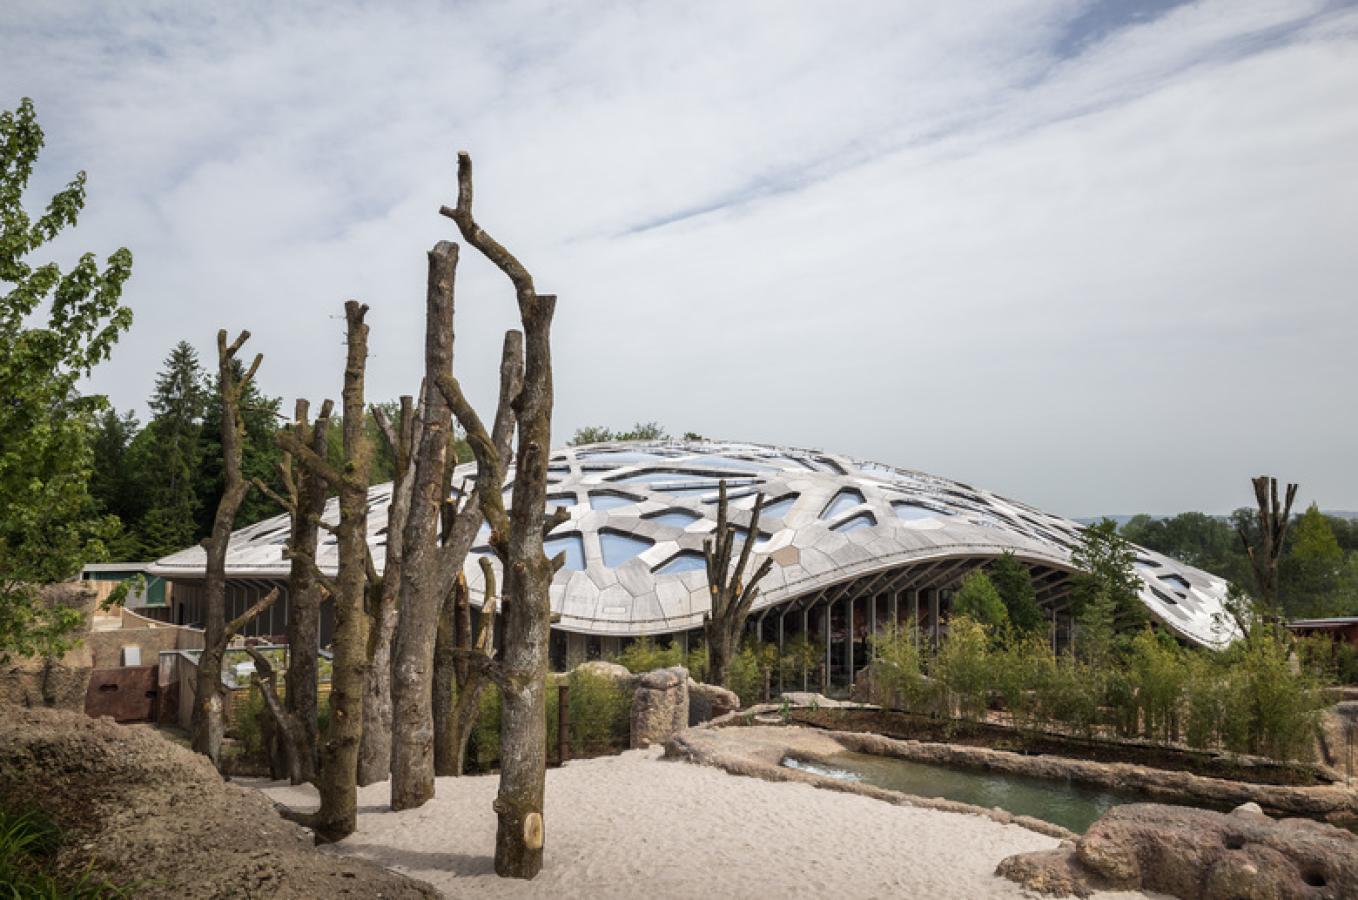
730, 594
374, 752
305, 502
453, 663
446, 684
421, 587
430, 569
338, 782
521, 674
208, 724
1274, 520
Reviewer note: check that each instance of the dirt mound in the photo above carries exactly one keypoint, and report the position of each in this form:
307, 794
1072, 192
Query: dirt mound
143, 810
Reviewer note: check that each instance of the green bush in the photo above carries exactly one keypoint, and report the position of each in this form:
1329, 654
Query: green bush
696, 663
483, 751
801, 658
601, 713
963, 666
751, 671
1020, 670
1160, 677
897, 672
643, 655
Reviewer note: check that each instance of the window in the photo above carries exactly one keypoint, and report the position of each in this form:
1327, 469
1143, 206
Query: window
619, 547
844, 501
570, 544
862, 520
675, 518
683, 561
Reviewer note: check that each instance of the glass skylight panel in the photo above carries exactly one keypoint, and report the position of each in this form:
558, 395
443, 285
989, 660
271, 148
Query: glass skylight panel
572, 545
677, 518
685, 561
844, 501
602, 500
619, 548
862, 520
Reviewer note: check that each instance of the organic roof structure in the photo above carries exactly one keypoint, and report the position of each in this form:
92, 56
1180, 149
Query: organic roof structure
639, 512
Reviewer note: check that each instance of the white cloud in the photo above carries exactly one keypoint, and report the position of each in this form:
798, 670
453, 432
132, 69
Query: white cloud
917, 234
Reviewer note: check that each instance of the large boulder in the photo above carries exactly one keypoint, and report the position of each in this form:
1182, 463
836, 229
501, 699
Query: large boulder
602, 669
659, 706
60, 683
1196, 853
709, 701
138, 809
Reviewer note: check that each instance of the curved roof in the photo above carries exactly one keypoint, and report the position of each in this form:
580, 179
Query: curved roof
639, 512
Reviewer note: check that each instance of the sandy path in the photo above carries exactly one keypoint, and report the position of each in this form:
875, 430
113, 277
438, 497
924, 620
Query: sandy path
636, 825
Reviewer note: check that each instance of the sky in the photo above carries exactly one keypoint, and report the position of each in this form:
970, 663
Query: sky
1096, 256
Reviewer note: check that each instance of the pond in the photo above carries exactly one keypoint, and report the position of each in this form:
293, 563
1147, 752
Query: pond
1063, 803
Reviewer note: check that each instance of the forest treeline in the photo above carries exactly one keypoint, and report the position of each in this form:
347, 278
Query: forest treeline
1318, 572
162, 479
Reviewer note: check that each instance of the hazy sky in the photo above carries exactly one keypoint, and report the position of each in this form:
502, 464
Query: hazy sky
1100, 257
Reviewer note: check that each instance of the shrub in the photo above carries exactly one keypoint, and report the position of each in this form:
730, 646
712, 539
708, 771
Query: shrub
979, 601
897, 672
29, 841
963, 665
1160, 677
483, 752
643, 655
1019, 671
696, 663
752, 670
601, 713
801, 656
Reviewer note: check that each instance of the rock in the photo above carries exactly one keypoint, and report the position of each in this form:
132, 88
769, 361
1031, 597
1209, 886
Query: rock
1250, 808
708, 701
1199, 854
602, 669
659, 706
152, 813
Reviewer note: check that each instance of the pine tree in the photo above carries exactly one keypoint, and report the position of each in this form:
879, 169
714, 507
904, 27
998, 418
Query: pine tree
1107, 567
113, 480
172, 453
1312, 573
1014, 583
978, 600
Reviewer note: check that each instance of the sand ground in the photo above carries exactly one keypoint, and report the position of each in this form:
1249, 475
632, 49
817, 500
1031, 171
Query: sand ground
636, 825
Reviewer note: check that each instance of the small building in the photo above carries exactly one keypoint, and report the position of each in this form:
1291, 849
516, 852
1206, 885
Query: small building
1338, 628
152, 601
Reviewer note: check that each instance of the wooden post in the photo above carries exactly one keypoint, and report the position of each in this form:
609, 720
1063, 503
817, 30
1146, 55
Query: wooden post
563, 723
825, 676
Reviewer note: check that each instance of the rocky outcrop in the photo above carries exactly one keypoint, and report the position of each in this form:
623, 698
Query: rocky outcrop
139, 809
612, 671
1197, 854
54, 682
659, 706
709, 701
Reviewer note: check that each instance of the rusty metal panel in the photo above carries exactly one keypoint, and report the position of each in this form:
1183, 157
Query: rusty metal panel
128, 694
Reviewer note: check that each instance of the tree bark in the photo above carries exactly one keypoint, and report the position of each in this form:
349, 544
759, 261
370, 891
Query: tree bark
521, 674
412, 776
338, 782
1274, 520
305, 502
375, 749
207, 723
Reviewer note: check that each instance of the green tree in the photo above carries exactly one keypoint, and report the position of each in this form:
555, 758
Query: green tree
114, 482
1107, 570
48, 525
1014, 583
170, 458
640, 431
1312, 575
978, 600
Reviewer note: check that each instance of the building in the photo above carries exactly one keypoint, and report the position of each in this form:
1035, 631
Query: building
151, 599
855, 544
1338, 628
